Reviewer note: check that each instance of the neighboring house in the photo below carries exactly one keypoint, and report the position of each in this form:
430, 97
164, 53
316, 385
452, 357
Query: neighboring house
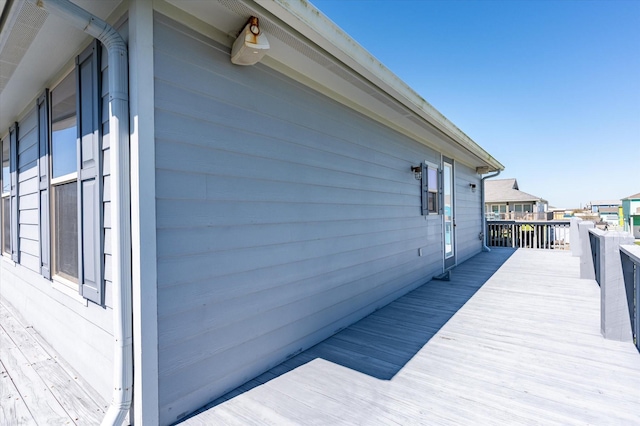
605, 206
560, 213
610, 215
235, 214
631, 214
504, 200
608, 211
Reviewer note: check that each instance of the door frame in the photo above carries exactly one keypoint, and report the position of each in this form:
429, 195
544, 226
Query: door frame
448, 259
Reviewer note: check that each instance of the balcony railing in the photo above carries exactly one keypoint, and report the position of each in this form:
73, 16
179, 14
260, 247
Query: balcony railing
519, 216
630, 257
550, 235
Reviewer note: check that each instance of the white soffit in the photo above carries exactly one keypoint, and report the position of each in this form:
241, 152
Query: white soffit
312, 64
34, 47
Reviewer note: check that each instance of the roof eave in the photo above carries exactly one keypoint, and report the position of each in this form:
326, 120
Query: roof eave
313, 24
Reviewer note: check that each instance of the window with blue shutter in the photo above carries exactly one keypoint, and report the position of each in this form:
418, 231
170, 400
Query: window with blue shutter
71, 163
13, 167
430, 189
5, 198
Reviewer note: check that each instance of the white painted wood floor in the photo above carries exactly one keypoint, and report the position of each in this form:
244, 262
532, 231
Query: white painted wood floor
36, 387
525, 349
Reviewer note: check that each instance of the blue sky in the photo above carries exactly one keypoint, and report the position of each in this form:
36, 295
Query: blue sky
550, 88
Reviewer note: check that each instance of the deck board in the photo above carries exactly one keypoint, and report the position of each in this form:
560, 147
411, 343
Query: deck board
13, 409
44, 389
32, 390
508, 340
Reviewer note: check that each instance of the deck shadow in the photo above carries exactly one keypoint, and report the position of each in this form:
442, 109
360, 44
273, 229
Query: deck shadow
380, 344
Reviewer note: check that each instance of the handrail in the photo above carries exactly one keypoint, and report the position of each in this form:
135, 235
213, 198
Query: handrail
528, 216
548, 235
630, 258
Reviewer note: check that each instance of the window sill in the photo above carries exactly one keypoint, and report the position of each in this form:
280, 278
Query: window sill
68, 288
7, 258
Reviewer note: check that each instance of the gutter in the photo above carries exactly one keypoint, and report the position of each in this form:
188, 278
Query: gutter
120, 204
485, 247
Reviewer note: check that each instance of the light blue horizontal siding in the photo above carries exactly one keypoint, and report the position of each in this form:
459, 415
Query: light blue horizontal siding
106, 181
468, 213
28, 204
282, 217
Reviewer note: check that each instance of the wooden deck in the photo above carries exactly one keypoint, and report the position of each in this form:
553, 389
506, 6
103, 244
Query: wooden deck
518, 346
36, 387
521, 346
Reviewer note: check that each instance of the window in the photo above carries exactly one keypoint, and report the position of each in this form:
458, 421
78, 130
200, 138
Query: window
430, 189
69, 176
523, 208
432, 183
5, 207
64, 176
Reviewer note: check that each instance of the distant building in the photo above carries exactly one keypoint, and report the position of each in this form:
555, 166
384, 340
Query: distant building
597, 206
631, 214
504, 200
607, 210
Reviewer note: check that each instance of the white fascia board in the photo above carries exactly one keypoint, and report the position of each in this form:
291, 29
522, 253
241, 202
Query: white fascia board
310, 22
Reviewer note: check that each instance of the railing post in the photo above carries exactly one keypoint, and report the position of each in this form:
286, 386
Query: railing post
574, 237
586, 261
614, 312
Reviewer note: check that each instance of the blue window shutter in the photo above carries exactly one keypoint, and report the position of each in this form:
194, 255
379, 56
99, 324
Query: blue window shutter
441, 191
13, 167
44, 182
425, 189
89, 172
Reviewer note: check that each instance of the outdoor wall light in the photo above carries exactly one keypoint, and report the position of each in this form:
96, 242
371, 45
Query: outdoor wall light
473, 187
251, 44
417, 172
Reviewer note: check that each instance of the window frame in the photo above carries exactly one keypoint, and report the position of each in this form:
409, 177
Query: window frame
56, 275
429, 191
5, 196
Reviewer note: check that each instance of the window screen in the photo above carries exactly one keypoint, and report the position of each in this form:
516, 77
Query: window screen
6, 177
6, 225
5, 208
432, 181
66, 230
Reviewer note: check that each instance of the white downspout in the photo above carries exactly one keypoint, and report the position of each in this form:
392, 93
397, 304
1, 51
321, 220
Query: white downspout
485, 247
120, 204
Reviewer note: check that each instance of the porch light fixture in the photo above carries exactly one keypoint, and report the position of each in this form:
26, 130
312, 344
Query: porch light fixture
417, 172
251, 44
473, 187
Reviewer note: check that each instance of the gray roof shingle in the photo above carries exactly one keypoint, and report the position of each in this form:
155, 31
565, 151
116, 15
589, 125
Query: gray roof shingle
503, 190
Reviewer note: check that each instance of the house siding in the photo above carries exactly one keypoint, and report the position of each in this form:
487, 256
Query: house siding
468, 213
282, 217
106, 178
28, 192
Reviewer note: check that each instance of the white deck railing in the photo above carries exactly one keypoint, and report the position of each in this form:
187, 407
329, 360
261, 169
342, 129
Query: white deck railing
493, 216
549, 235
